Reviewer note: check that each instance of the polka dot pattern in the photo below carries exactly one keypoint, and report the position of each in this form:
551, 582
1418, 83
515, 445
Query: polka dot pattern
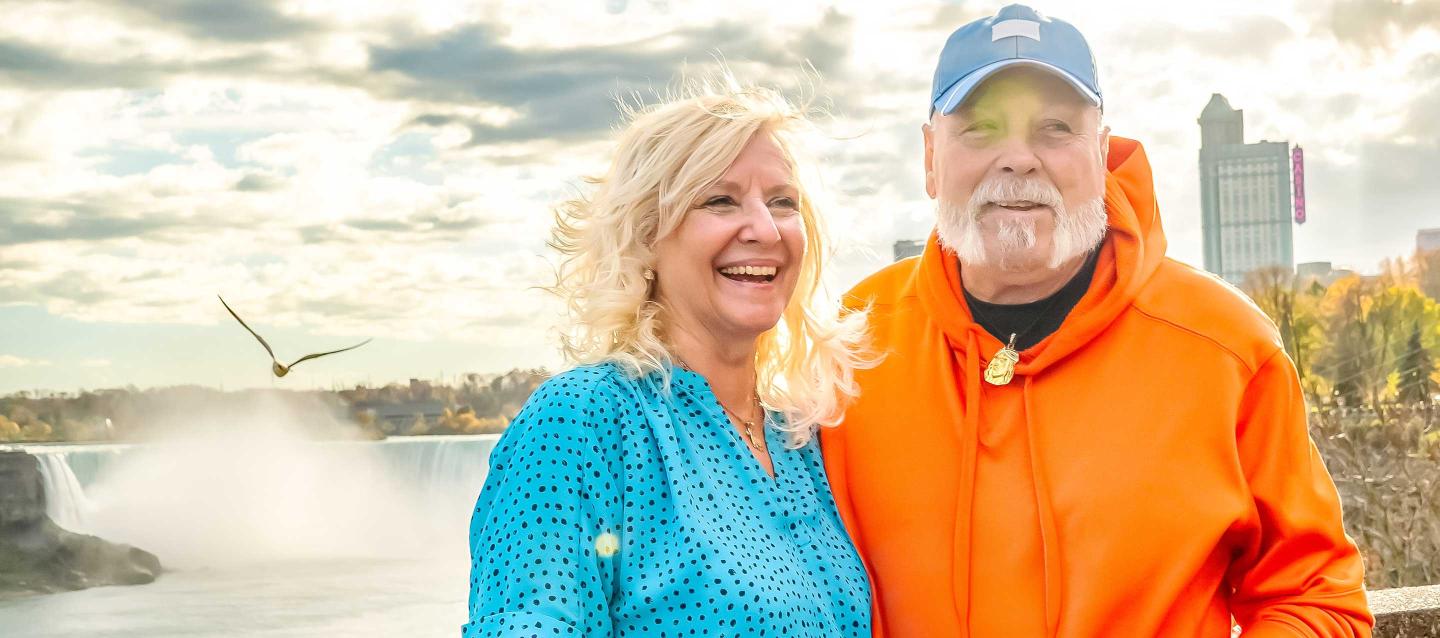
616, 508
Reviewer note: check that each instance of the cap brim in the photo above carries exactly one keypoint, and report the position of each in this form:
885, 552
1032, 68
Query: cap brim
956, 94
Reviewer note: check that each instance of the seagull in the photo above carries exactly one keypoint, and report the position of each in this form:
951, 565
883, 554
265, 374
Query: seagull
278, 368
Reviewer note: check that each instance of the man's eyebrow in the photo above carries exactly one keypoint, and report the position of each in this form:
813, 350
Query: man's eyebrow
963, 117
966, 111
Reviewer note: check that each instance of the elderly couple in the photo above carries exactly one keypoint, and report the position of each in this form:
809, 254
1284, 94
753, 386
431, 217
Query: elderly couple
1041, 426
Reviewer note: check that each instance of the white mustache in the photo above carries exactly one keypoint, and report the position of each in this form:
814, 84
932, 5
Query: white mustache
1075, 231
996, 190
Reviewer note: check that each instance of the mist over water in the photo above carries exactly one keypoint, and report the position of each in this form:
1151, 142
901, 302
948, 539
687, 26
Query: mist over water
241, 488
264, 530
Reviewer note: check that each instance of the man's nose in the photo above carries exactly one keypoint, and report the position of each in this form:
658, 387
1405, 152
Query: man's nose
1017, 158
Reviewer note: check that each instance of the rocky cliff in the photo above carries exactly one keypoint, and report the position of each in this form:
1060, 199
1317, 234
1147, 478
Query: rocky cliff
38, 556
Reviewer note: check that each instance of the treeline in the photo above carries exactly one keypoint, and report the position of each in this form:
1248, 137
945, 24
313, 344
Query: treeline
1370, 341
476, 403
1366, 349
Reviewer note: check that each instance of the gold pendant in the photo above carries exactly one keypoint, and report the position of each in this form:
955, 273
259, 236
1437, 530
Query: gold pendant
1002, 367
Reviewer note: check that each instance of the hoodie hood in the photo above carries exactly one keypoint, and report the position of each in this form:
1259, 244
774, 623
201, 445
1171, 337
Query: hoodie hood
1133, 250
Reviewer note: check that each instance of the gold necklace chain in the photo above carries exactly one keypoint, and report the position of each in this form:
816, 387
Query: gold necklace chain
749, 423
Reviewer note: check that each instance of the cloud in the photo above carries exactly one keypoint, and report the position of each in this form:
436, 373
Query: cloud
259, 183
33, 67
81, 219
101, 216
1423, 118
419, 227
1250, 37
12, 361
95, 363
561, 94
249, 21
1379, 24
950, 16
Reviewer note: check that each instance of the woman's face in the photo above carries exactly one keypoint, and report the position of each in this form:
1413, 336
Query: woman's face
728, 270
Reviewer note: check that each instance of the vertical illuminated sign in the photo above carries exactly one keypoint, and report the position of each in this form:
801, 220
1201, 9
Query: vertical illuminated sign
1297, 163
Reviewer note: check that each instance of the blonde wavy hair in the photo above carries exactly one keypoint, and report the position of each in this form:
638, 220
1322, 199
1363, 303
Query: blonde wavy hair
667, 156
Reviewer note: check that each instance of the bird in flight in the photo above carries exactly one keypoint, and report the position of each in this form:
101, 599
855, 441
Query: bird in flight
278, 368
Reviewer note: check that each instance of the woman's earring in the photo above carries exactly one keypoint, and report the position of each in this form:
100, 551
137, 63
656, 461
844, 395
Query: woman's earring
649, 274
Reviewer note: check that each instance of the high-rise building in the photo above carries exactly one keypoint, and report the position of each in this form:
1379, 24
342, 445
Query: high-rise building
1245, 196
908, 248
1427, 239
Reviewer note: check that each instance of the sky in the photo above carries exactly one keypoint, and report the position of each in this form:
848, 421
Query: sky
342, 170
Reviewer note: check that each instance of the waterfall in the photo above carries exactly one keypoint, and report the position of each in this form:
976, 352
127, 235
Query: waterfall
67, 470
250, 497
64, 498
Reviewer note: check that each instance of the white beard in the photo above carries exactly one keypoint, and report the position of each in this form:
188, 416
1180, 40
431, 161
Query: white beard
1076, 231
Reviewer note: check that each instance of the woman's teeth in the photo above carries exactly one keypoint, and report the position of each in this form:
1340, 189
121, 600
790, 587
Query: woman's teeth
753, 274
763, 271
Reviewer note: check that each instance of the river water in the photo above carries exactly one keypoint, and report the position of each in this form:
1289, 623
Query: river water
267, 536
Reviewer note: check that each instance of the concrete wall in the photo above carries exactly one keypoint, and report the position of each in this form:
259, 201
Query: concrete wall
1406, 612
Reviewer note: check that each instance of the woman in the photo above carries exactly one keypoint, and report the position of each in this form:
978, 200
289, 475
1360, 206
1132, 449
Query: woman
670, 485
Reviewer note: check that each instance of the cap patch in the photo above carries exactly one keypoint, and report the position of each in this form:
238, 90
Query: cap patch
1012, 28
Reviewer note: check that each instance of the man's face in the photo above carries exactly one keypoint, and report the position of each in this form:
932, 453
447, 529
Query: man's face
1018, 172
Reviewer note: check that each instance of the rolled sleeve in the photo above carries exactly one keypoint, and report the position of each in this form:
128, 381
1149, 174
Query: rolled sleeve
548, 500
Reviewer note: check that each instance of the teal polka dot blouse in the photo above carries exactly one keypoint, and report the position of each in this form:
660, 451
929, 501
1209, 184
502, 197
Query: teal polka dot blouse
615, 508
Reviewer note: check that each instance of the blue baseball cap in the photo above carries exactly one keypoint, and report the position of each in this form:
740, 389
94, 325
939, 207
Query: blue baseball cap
1015, 36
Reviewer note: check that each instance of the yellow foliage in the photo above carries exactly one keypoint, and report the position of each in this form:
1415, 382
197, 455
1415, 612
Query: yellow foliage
419, 426
487, 425
21, 415
36, 430
1430, 443
464, 421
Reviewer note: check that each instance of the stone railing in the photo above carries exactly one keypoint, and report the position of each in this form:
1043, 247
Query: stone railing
1406, 612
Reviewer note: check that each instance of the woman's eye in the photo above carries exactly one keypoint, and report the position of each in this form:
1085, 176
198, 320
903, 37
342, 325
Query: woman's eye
1058, 127
784, 204
719, 202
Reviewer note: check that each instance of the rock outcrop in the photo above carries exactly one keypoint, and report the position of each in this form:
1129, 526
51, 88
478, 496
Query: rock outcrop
38, 556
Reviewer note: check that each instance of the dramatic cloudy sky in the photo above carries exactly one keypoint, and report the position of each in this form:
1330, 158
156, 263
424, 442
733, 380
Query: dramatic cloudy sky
343, 170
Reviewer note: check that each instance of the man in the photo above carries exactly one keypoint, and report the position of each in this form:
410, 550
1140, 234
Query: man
1070, 434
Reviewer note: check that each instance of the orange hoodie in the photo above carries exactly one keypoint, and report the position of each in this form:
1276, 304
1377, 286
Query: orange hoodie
1147, 472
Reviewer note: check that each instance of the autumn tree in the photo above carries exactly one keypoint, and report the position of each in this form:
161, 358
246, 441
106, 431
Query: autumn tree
1367, 324
1417, 369
1293, 305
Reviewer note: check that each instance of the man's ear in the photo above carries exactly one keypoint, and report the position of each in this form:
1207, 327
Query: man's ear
928, 131
1105, 147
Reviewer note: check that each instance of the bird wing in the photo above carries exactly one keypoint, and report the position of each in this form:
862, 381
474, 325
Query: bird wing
242, 323
321, 354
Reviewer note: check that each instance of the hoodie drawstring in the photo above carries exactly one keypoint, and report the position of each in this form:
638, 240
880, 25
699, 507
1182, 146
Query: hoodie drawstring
1049, 541
965, 505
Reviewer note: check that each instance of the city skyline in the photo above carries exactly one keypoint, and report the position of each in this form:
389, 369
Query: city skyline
1247, 209
342, 171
